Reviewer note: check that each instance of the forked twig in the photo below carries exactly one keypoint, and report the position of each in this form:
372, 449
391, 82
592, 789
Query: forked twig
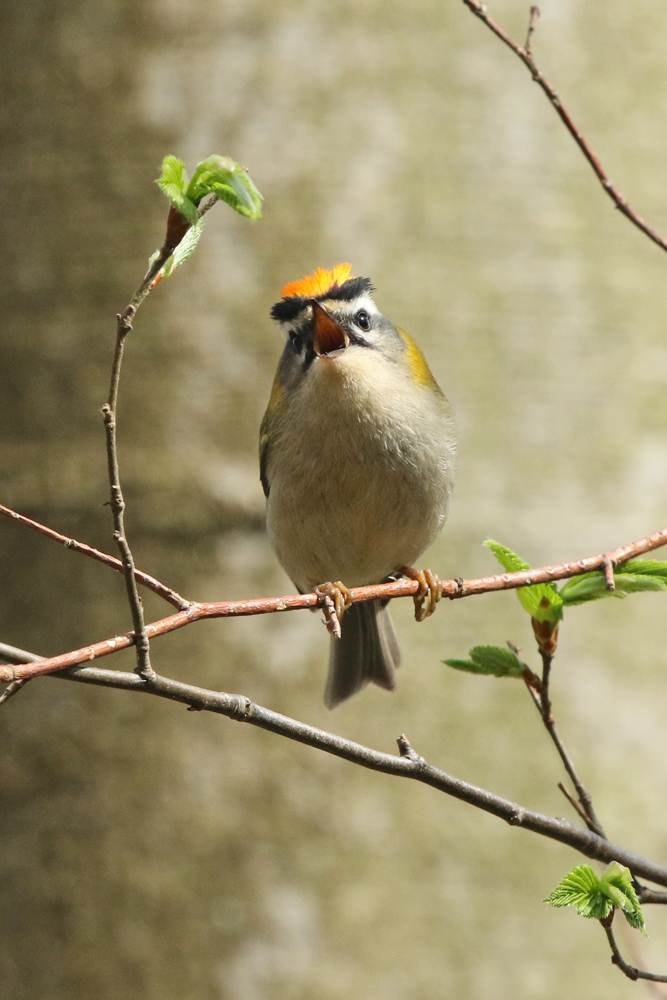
526, 57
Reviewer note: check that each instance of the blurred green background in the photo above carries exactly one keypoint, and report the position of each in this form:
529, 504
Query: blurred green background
153, 854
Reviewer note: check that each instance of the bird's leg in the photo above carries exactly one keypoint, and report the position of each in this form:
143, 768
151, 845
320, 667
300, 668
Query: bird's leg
430, 591
334, 599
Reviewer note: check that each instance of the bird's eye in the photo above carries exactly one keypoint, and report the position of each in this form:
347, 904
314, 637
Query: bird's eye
363, 320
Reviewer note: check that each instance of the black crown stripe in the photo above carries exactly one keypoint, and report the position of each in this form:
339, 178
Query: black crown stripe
292, 305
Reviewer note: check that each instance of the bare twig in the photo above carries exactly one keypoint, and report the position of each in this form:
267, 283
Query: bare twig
542, 701
647, 895
534, 15
141, 641
573, 802
15, 655
617, 958
526, 57
268, 605
13, 689
609, 574
87, 550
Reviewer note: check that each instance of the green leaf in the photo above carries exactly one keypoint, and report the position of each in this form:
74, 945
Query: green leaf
644, 567
541, 600
492, 660
595, 897
188, 244
593, 586
510, 560
582, 889
172, 182
616, 883
220, 175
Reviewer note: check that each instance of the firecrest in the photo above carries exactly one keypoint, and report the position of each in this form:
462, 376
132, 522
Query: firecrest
357, 452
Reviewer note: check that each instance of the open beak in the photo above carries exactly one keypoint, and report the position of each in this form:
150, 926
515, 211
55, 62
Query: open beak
329, 337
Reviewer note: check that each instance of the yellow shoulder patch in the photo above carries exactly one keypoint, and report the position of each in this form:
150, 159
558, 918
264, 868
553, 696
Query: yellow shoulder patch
418, 367
319, 283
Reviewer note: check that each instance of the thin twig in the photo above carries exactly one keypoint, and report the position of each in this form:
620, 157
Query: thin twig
526, 57
647, 895
16, 655
141, 641
617, 958
609, 574
177, 227
575, 805
13, 689
542, 701
158, 588
534, 15
457, 588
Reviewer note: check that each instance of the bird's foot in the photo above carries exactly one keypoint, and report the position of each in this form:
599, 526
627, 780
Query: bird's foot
429, 593
334, 599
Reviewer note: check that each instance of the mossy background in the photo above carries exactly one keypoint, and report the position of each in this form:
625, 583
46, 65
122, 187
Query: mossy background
153, 854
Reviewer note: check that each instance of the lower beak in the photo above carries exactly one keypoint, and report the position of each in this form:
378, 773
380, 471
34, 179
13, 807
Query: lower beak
329, 337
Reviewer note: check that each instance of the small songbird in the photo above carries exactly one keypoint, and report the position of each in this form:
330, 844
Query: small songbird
357, 452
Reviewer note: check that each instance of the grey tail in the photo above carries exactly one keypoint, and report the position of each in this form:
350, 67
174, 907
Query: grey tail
367, 651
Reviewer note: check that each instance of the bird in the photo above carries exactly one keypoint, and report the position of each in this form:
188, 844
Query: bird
357, 455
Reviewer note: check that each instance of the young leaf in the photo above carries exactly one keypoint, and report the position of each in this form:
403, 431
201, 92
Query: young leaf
220, 175
541, 600
595, 897
510, 560
644, 567
492, 660
582, 889
593, 586
617, 880
172, 182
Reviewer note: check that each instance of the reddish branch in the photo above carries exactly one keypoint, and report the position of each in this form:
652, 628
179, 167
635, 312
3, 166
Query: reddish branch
400, 588
87, 550
526, 57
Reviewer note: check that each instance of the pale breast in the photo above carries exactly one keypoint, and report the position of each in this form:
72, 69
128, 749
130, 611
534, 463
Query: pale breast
361, 466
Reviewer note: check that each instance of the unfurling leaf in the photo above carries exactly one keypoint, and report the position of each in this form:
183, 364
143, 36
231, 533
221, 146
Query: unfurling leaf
619, 877
173, 182
508, 559
492, 660
632, 577
221, 176
595, 897
541, 600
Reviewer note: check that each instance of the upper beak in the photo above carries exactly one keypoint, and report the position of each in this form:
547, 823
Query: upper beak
329, 336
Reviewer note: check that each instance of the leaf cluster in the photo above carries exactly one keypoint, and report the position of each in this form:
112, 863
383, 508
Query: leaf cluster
596, 896
217, 175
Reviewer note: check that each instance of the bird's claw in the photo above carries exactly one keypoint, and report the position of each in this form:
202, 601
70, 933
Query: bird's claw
334, 599
429, 593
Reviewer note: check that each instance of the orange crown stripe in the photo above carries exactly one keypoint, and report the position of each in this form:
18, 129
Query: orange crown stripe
318, 283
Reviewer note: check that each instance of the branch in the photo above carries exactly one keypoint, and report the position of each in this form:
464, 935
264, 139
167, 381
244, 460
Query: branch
617, 958
408, 765
87, 550
526, 57
268, 605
